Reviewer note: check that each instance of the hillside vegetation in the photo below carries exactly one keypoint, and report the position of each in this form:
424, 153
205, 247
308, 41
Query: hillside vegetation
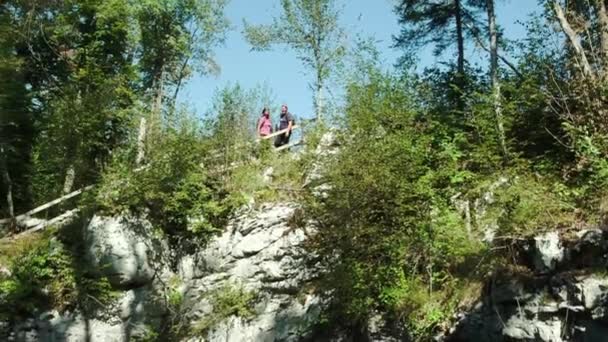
427, 162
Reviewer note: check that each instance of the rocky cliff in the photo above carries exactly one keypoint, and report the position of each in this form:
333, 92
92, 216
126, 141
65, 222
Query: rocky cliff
556, 289
259, 253
557, 292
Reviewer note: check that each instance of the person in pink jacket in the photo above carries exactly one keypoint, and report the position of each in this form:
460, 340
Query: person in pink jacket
264, 123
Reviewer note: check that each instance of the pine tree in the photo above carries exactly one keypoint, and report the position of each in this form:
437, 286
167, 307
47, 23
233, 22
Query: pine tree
442, 24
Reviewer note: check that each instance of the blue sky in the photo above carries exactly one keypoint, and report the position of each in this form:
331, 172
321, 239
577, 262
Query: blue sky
282, 72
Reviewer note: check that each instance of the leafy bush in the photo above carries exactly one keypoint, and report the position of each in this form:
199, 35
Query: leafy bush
390, 234
387, 230
527, 204
172, 188
43, 274
196, 172
285, 181
228, 300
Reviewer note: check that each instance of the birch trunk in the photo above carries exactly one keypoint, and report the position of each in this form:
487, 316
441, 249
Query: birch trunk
603, 18
141, 142
460, 44
319, 101
70, 175
494, 77
9, 185
573, 38
158, 102
152, 130
459, 36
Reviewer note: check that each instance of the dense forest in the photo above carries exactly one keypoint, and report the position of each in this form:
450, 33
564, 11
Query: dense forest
89, 96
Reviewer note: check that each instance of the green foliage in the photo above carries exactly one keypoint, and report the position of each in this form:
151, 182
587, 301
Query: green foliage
43, 274
149, 335
272, 176
413, 146
16, 121
230, 125
238, 159
527, 204
172, 189
387, 216
175, 297
177, 324
389, 231
228, 300
79, 75
307, 26
178, 37
81, 79
430, 22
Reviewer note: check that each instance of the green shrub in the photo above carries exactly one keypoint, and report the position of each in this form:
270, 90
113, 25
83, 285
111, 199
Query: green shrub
289, 169
172, 188
386, 227
149, 335
389, 232
228, 300
174, 295
43, 274
528, 204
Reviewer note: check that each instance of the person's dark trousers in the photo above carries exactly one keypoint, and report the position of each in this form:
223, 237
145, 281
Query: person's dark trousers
281, 140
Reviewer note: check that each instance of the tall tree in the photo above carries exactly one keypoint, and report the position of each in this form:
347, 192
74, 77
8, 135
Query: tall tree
585, 28
576, 42
311, 29
78, 67
441, 23
16, 121
494, 77
177, 38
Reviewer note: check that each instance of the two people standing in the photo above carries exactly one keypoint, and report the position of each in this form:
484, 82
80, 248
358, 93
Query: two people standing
286, 121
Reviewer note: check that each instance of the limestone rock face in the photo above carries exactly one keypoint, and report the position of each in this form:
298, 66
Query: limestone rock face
561, 298
127, 318
261, 252
548, 251
122, 249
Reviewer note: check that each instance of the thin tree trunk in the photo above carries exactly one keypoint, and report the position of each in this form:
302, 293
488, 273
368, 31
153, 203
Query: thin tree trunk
603, 17
179, 82
141, 142
9, 193
158, 99
459, 36
483, 45
460, 63
157, 103
467, 219
320, 68
573, 39
319, 100
152, 132
494, 77
70, 175
9, 185
183, 69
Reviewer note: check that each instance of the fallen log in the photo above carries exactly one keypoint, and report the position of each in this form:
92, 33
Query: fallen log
284, 147
283, 131
61, 219
45, 206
